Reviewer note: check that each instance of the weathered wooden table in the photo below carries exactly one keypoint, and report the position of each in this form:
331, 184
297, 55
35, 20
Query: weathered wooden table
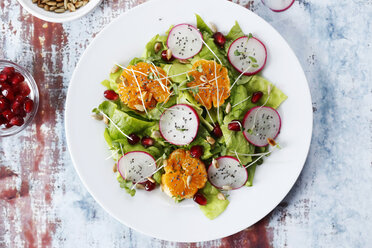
44, 204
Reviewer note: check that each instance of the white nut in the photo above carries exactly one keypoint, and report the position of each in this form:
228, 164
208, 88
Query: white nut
169, 54
165, 163
156, 134
97, 117
203, 78
215, 163
228, 108
151, 179
157, 47
221, 196
115, 168
227, 187
105, 120
210, 140
139, 107
213, 27
184, 61
189, 178
114, 69
140, 186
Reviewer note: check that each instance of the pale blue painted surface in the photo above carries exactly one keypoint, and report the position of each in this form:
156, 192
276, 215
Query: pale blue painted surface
330, 205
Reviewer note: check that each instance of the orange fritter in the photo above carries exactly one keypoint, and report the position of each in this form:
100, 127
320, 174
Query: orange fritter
184, 175
143, 85
211, 84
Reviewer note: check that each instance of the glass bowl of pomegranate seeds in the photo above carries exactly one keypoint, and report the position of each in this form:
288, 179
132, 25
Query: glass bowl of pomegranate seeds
19, 98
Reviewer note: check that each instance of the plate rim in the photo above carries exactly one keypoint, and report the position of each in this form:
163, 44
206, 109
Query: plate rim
66, 118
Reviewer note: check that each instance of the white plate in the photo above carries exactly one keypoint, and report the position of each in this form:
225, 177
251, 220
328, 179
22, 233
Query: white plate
153, 213
51, 16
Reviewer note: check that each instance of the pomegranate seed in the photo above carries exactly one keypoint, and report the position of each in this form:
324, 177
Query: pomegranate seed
3, 104
17, 121
2, 120
3, 77
23, 89
196, 151
256, 96
29, 105
17, 107
8, 125
147, 141
165, 57
17, 78
217, 132
149, 185
8, 93
200, 199
8, 114
111, 95
234, 125
8, 71
219, 39
20, 98
134, 139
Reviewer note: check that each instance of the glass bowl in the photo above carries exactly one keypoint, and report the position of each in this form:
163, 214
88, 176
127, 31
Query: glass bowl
34, 95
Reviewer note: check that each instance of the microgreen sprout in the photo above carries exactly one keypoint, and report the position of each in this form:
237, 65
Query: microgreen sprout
143, 103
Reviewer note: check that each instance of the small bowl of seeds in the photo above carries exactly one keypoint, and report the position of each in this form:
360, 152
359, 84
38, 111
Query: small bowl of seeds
59, 10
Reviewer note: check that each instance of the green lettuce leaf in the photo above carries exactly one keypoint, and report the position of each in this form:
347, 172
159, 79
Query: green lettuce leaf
127, 185
149, 51
202, 26
201, 141
214, 206
157, 176
235, 141
235, 32
125, 122
175, 69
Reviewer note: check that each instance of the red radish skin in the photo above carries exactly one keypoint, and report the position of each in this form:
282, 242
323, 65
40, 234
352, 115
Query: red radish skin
169, 45
122, 172
197, 128
279, 10
246, 117
212, 167
238, 69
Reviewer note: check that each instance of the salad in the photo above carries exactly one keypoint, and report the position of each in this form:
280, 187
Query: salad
191, 116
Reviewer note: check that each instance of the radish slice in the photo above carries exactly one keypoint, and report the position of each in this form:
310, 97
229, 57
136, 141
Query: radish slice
278, 5
264, 123
179, 124
185, 41
136, 166
241, 52
230, 173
